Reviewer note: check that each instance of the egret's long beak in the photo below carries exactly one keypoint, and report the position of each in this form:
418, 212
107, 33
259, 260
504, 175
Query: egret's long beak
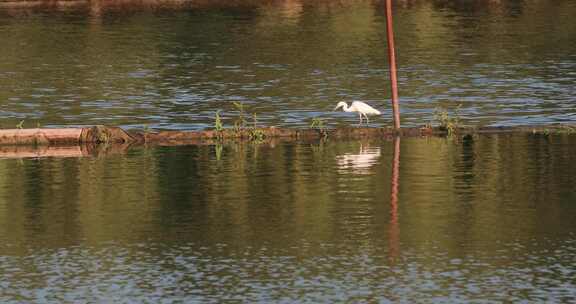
336, 108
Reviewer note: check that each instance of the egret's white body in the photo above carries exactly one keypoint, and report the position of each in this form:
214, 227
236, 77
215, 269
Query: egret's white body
362, 108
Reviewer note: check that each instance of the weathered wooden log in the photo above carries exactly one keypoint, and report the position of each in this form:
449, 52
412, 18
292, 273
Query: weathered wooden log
102, 134
114, 135
272, 132
64, 136
39, 136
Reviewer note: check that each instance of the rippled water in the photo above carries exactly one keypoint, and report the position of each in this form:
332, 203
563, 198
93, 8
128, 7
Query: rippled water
485, 218
506, 62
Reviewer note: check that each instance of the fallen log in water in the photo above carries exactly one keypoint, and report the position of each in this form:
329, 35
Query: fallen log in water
251, 134
39, 136
103, 134
64, 136
75, 142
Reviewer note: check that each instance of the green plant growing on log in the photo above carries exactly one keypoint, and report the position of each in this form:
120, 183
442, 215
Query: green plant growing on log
255, 134
240, 122
562, 129
254, 120
20, 125
318, 123
146, 132
242, 126
446, 121
218, 126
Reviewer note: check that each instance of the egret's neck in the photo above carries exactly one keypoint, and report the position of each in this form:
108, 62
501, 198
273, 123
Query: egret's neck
345, 108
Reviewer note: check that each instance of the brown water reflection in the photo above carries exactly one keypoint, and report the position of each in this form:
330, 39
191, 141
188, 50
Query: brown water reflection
463, 220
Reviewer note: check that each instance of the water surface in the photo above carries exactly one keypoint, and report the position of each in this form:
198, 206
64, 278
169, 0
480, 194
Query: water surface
506, 62
486, 218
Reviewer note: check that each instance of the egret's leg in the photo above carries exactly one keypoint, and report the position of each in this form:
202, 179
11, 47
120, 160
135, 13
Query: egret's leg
367, 120
360, 116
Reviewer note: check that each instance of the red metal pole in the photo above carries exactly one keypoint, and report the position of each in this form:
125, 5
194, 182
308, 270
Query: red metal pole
392, 61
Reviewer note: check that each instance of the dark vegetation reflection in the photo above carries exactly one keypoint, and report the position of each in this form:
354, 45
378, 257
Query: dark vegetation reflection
476, 213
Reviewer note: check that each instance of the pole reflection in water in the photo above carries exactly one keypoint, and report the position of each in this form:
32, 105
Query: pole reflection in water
394, 229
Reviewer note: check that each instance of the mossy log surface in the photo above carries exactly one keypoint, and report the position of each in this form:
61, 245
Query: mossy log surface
102, 140
115, 135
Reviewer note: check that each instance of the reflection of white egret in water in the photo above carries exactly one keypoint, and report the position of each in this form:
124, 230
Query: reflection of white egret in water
359, 163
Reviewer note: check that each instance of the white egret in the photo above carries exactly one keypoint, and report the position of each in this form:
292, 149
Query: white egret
362, 108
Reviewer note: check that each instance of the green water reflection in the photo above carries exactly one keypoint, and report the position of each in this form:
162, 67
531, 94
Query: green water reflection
507, 62
486, 217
